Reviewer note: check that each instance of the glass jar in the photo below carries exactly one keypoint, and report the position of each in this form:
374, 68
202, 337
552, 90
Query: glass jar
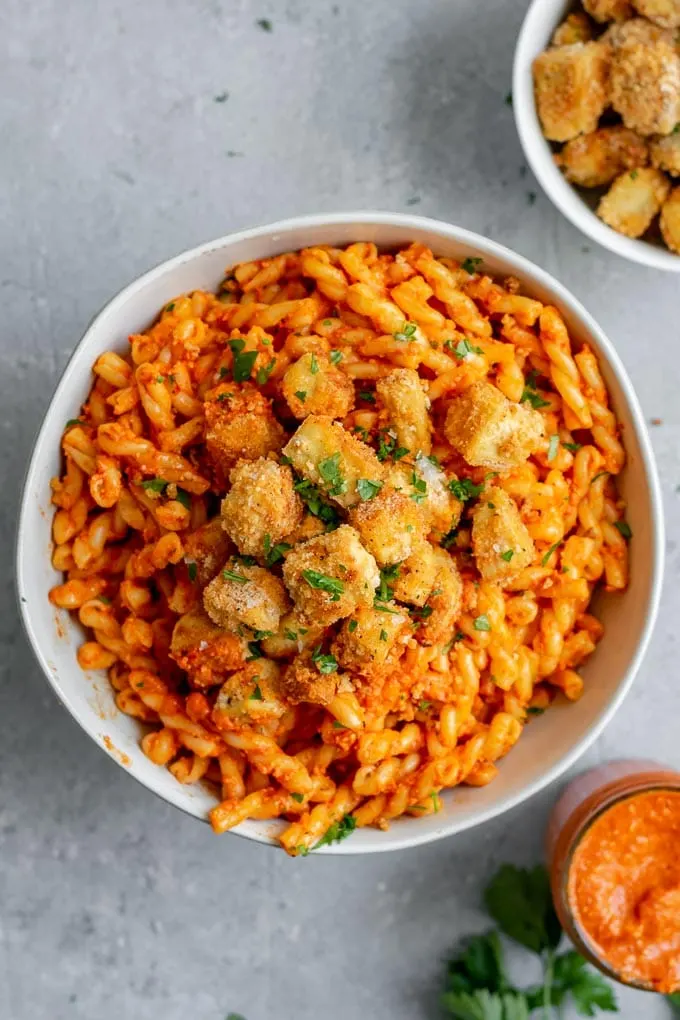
585, 801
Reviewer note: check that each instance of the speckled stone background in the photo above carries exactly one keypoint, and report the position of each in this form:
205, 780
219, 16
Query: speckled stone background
129, 132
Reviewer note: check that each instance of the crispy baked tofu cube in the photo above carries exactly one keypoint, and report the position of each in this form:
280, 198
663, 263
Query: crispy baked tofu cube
330, 457
576, 28
665, 13
570, 84
609, 10
637, 30
241, 426
439, 614
670, 220
261, 502
205, 651
293, 636
313, 385
426, 485
371, 642
593, 160
408, 407
644, 84
488, 430
664, 151
246, 596
205, 550
251, 695
389, 525
303, 681
501, 543
633, 201
416, 576
329, 576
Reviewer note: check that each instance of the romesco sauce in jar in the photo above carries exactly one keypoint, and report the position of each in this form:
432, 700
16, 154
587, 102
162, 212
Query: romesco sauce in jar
614, 851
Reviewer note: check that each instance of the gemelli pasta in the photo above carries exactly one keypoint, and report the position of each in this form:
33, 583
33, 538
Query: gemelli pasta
334, 531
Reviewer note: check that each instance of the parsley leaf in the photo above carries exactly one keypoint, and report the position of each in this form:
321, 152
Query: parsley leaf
464, 489
265, 24
184, 498
352, 626
154, 484
264, 372
301, 395
624, 528
407, 331
481, 622
313, 365
367, 396
299, 797
192, 570
231, 575
387, 447
329, 469
551, 550
470, 264
338, 831
243, 362
257, 693
462, 349
419, 488
386, 590
507, 555
74, 421
572, 447
535, 710
367, 489
520, 901
484, 1005
274, 553
324, 663
323, 582
532, 397
588, 989
316, 505
336, 357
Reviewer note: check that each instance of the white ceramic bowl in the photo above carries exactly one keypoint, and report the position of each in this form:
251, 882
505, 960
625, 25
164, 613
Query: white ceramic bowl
540, 22
551, 743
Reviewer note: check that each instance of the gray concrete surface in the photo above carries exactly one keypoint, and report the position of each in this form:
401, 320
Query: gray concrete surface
115, 155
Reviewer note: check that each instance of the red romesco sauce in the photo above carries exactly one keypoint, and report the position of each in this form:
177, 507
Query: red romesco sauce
624, 888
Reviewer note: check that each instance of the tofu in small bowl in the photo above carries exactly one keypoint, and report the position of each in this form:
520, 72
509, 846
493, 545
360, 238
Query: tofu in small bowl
596, 98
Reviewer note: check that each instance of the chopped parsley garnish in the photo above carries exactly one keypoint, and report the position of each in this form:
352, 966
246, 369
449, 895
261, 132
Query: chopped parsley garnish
184, 498
338, 725
231, 575
633, 175
169, 308
624, 528
259, 635
422, 612
470, 264
323, 582
352, 626
265, 24
424, 705
154, 484
160, 379
491, 506
192, 570
224, 371
407, 331
367, 489
329, 469
367, 396
553, 446
74, 421
264, 372
255, 651
298, 797
530, 394
103, 598
535, 710
301, 395
572, 447
221, 98
324, 663
419, 488
336, 357
386, 589
464, 489
508, 99
257, 693
380, 607
311, 496
387, 447
338, 831
360, 431
313, 365
383, 635
243, 362
481, 622
290, 634
507, 555
449, 538
600, 474
551, 550
274, 553
464, 347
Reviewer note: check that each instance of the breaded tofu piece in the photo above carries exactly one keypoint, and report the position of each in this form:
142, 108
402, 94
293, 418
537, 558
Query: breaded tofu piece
205, 651
252, 694
416, 576
313, 385
205, 550
637, 30
389, 525
242, 426
608, 10
501, 543
309, 527
670, 220
261, 502
247, 596
576, 27
439, 614
633, 201
570, 84
330, 576
303, 681
408, 406
329, 456
442, 506
293, 636
371, 642
664, 151
488, 430
665, 13
593, 160
644, 85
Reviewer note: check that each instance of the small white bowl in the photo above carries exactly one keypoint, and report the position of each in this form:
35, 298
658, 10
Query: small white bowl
551, 743
540, 22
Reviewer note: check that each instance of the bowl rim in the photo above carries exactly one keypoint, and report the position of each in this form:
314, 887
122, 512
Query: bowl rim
481, 245
562, 194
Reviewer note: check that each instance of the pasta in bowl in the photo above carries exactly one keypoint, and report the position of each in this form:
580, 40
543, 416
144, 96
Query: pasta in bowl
333, 529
